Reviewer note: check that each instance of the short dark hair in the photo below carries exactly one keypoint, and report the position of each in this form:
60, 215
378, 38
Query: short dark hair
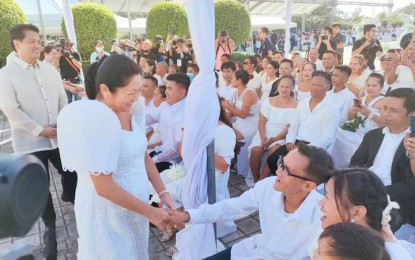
48, 49
276, 66
252, 60
378, 76
320, 162
265, 30
17, 32
332, 52
194, 66
242, 75
335, 25
344, 69
153, 64
320, 73
162, 90
228, 56
287, 61
328, 29
153, 79
354, 241
97, 41
408, 94
368, 27
359, 186
181, 79
114, 71
228, 65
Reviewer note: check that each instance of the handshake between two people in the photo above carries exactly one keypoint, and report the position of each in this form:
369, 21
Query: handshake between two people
169, 218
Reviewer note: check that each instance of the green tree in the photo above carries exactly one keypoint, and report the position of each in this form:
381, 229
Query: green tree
10, 14
92, 22
233, 17
167, 17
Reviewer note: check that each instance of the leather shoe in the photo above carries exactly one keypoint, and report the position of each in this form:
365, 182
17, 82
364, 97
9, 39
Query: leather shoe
65, 198
50, 252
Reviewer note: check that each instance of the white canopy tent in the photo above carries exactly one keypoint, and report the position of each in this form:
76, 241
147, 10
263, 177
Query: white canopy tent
272, 22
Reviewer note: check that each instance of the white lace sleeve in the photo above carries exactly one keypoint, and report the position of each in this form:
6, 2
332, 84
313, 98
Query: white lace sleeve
89, 137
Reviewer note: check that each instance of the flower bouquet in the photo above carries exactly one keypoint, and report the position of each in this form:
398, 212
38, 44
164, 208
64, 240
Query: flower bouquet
354, 124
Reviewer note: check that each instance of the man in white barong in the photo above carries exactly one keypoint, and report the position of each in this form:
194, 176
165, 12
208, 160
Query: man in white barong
287, 204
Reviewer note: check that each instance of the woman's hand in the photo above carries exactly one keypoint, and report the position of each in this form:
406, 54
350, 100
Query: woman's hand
165, 200
364, 111
264, 140
159, 217
225, 104
177, 218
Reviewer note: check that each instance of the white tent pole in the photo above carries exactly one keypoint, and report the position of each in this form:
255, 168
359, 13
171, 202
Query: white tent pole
42, 25
130, 28
288, 7
69, 24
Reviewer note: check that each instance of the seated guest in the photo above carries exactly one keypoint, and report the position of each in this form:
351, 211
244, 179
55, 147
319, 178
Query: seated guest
192, 70
382, 151
275, 116
271, 72
225, 90
313, 57
173, 69
305, 79
287, 204
161, 73
149, 68
350, 241
171, 122
255, 80
396, 76
264, 63
408, 57
286, 69
329, 61
359, 196
340, 95
278, 56
363, 117
315, 121
224, 58
158, 99
360, 73
148, 86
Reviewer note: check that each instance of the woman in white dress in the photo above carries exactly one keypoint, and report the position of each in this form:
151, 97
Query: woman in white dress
359, 196
304, 83
263, 72
105, 143
360, 73
271, 70
275, 116
350, 135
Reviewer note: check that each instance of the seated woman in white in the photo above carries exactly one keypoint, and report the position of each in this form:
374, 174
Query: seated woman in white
275, 116
271, 72
101, 140
302, 90
154, 136
350, 135
359, 196
360, 73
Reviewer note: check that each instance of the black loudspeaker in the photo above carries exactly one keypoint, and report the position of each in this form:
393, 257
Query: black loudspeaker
24, 189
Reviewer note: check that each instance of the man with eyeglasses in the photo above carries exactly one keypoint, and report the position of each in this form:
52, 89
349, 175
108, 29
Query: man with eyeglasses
368, 46
254, 78
287, 204
396, 75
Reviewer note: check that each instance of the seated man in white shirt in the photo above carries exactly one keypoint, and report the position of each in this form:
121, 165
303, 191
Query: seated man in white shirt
287, 204
340, 95
329, 61
171, 122
315, 122
313, 57
286, 69
382, 151
225, 89
161, 73
148, 86
396, 75
255, 79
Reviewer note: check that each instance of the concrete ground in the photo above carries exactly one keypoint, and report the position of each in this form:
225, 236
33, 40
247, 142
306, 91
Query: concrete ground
66, 222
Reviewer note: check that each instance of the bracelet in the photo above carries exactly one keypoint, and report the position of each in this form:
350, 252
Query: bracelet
162, 192
410, 158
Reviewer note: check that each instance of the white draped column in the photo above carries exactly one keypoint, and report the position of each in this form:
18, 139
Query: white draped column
200, 122
288, 14
69, 24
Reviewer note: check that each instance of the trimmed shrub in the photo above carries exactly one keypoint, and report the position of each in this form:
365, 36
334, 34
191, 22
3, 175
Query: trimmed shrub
10, 14
239, 56
232, 16
92, 22
167, 17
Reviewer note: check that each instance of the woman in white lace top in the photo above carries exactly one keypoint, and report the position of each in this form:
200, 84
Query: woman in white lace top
104, 141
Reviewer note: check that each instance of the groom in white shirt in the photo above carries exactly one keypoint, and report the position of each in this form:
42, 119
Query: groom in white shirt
287, 204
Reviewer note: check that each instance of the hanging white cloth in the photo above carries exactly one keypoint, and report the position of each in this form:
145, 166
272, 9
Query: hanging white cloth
69, 24
200, 121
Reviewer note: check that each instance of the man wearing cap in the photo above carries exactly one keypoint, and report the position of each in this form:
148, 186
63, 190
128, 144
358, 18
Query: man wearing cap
70, 64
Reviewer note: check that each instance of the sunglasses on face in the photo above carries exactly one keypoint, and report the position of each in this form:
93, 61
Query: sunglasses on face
287, 171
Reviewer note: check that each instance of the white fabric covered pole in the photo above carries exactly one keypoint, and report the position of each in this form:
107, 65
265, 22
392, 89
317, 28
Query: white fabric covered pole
200, 122
69, 24
288, 10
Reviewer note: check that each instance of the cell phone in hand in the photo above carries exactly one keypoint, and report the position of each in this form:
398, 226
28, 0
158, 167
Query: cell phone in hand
412, 127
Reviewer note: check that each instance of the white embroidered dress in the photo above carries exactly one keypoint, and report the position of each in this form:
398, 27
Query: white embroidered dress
92, 142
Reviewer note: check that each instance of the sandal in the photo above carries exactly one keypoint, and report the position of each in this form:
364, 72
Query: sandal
165, 236
171, 251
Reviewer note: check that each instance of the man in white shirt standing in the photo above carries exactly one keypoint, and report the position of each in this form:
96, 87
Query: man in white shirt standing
171, 122
226, 90
382, 151
254, 78
315, 121
31, 96
340, 95
287, 204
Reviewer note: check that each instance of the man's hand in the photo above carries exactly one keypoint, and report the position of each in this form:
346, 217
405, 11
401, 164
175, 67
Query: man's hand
49, 132
177, 219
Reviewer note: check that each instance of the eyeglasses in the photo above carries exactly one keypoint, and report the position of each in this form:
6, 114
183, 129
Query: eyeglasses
280, 164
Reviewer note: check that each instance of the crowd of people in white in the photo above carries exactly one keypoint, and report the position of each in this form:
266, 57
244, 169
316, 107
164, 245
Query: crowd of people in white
285, 125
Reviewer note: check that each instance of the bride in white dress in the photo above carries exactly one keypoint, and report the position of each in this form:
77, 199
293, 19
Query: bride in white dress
104, 141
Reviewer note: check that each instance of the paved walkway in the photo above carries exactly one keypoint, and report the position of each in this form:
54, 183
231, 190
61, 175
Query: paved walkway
66, 223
